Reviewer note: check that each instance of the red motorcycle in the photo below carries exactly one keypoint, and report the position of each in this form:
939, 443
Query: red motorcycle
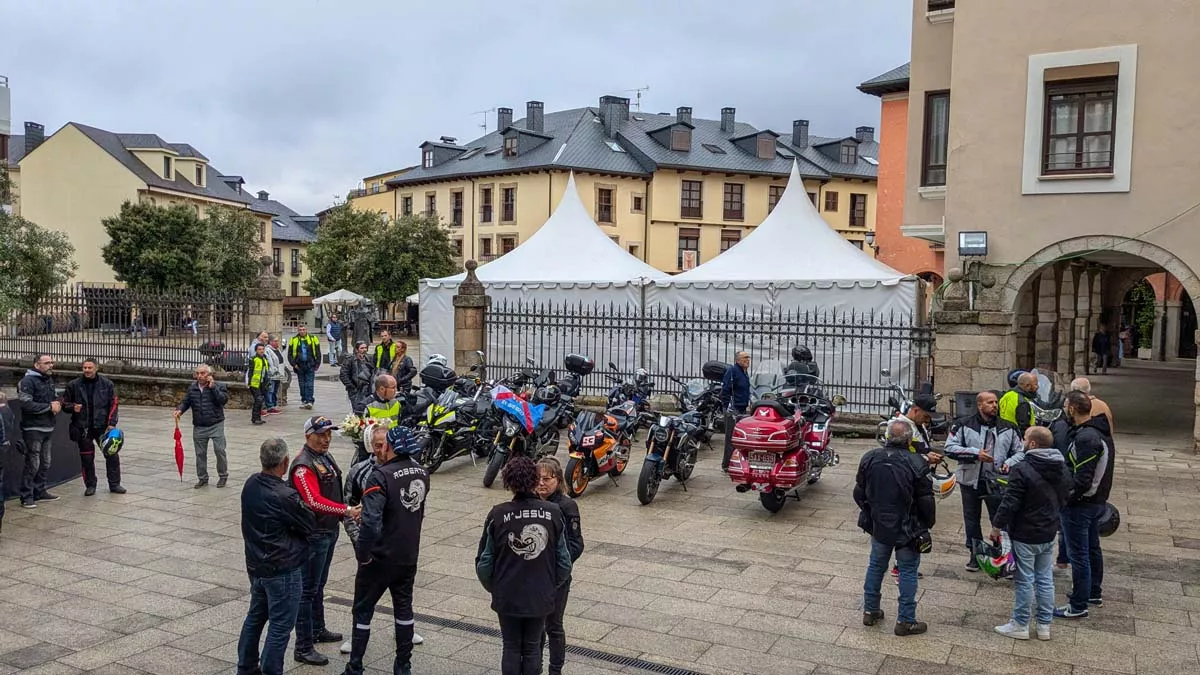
783, 443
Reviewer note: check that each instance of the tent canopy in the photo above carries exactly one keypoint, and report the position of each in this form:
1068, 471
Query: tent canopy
793, 244
341, 297
570, 248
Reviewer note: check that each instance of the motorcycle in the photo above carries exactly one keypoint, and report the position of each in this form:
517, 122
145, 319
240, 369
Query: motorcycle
671, 449
899, 402
783, 443
703, 397
598, 445
526, 428
459, 421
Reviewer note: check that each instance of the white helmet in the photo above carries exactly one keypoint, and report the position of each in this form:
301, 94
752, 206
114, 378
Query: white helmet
943, 481
436, 358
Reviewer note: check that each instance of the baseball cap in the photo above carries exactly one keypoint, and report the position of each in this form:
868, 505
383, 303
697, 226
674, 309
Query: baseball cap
317, 424
925, 402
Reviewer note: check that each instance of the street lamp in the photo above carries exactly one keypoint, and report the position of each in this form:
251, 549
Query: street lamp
869, 237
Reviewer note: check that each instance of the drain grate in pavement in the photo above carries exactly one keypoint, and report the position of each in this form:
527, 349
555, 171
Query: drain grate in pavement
587, 652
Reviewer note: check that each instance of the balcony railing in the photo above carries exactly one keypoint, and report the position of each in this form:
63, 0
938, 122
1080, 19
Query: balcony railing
939, 5
362, 192
277, 268
297, 269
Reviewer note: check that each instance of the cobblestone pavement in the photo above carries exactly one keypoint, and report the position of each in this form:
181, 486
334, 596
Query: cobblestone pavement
705, 580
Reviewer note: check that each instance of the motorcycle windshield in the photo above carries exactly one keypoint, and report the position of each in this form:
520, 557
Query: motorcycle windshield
526, 414
695, 389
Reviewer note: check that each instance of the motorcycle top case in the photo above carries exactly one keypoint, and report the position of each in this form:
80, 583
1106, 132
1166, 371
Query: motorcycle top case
766, 430
579, 364
714, 370
438, 376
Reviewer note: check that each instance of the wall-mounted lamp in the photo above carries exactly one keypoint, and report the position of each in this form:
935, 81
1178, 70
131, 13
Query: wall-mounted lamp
972, 244
869, 238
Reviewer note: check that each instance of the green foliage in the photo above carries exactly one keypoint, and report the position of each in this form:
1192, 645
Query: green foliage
380, 259
5, 183
33, 260
170, 248
1142, 298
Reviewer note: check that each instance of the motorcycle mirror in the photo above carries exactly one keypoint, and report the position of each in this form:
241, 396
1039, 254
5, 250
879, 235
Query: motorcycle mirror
529, 361
838, 400
482, 358
886, 372
613, 365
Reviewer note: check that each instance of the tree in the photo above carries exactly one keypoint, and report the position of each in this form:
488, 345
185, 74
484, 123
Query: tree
5, 183
169, 248
33, 260
342, 239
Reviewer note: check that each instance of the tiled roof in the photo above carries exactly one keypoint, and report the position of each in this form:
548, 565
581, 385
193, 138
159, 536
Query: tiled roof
16, 149
894, 80
577, 141
860, 169
286, 224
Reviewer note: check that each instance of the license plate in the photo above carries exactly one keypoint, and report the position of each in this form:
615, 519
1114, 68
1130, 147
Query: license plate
762, 458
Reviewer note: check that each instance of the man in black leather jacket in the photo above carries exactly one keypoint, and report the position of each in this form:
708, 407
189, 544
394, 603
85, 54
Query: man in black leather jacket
93, 404
276, 527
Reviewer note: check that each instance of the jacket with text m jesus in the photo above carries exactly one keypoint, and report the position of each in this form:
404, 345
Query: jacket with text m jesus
523, 556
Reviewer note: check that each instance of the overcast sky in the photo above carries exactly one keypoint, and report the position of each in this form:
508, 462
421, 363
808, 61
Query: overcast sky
306, 97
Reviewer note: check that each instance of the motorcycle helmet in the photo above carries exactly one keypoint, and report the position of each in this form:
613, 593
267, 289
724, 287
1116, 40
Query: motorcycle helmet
436, 358
1110, 520
403, 441
995, 559
548, 395
112, 442
944, 481
641, 376
1012, 377
801, 353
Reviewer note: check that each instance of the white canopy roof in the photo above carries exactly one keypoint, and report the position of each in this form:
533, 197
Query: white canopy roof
568, 248
794, 243
340, 297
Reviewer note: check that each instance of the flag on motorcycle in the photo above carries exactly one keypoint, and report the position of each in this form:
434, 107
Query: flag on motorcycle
528, 414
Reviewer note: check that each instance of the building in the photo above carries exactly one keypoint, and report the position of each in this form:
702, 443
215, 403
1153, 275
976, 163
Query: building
80, 175
922, 257
672, 189
1056, 158
291, 233
374, 194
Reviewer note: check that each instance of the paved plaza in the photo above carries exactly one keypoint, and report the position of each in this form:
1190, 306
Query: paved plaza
704, 580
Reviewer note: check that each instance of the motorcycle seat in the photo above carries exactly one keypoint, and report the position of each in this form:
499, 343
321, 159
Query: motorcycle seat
782, 409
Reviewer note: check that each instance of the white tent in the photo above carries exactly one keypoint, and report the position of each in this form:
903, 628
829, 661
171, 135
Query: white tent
342, 297
568, 260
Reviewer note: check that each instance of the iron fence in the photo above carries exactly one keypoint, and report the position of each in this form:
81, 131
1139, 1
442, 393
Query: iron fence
850, 347
167, 331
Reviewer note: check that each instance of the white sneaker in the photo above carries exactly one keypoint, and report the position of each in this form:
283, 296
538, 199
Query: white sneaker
345, 648
417, 639
1043, 631
1014, 631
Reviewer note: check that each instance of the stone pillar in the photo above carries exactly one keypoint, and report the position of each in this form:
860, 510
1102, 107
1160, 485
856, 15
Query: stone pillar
1046, 349
973, 350
470, 320
1174, 309
264, 304
1065, 358
1026, 339
1196, 401
1083, 313
1156, 340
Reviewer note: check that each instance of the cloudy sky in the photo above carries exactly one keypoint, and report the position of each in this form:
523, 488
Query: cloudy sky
305, 97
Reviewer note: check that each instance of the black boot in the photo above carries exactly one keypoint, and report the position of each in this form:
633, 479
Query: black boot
403, 646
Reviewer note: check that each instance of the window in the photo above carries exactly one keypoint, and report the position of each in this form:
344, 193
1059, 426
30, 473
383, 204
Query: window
200, 175
812, 197
485, 204
510, 146
508, 209
681, 139
277, 261
858, 243
937, 130
729, 238
297, 268
766, 147
427, 159
456, 208
690, 202
689, 247
196, 209
431, 204
774, 193
733, 201
614, 146
167, 173
849, 153
262, 232
485, 247
634, 250
1080, 125
295, 288
507, 244
858, 210
458, 248
604, 205
714, 149
406, 208
638, 204
831, 199
615, 239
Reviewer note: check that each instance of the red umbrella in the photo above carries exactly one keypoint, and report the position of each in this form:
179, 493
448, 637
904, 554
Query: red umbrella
179, 450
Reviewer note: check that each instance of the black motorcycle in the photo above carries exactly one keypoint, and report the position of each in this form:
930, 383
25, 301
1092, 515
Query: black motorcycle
671, 450
703, 397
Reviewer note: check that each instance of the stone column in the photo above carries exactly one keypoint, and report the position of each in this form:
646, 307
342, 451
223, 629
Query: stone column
1026, 340
264, 304
1156, 340
1083, 313
974, 350
470, 320
1174, 309
1065, 358
1046, 350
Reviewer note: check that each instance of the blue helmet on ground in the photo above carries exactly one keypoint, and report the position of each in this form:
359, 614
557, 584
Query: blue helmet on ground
403, 441
112, 442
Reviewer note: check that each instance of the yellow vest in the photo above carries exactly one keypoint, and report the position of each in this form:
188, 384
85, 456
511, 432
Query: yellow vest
388, 413
391, 355
258, 371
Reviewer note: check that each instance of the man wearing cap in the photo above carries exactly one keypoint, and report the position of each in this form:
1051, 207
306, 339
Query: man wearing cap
317, 478
388, 542
920, 413
356, 374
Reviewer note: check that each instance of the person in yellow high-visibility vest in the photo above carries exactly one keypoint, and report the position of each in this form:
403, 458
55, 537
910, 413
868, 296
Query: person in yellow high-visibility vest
258, 378
381, 407
1015, 405
304, 355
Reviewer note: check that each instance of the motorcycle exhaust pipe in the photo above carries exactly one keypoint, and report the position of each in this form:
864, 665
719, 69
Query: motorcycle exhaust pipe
742, 488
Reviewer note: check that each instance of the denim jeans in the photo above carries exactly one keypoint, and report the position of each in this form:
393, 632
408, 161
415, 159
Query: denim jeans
908, 560
311, 619
335, 351
1062, 558
277, 600
1081, 527
1034, 571
272, 394
38, 445
306, 375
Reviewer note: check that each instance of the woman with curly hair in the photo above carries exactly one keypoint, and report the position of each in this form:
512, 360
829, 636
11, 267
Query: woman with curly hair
552, 488
522, 561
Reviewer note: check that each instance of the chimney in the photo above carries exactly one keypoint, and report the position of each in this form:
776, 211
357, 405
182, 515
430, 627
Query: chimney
800, 134
727, 119
35, 134
613, 111
503, 118
263, 196
683, 115
534, 120
865, 134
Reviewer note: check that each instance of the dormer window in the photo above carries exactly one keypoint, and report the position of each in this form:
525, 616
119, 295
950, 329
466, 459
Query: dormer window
427, 159
199, 175
510, 146
766, 147
681, 139
168, 169
849, 153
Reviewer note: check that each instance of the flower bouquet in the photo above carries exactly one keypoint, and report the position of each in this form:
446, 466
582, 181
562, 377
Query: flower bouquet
352, 427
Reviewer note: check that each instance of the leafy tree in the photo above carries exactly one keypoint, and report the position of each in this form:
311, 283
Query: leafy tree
33, 260
342, 239
231, 250
1142, 299
5, 183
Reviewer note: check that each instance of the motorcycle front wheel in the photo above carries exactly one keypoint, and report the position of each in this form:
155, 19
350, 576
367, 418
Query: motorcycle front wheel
434, 457
577, 478
773, 501
648, 482
495, 463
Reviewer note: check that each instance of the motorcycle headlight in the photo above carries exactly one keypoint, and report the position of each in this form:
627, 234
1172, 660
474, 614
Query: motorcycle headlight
664, 421
511, 427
